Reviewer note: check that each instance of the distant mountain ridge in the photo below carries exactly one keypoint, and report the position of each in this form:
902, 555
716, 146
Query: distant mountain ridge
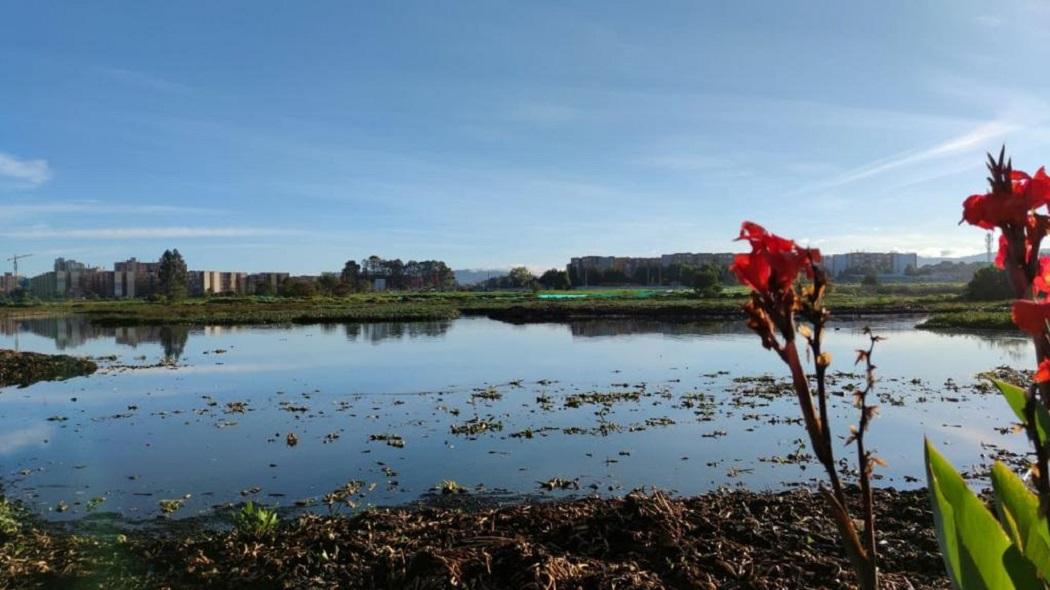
982, 257
928, 260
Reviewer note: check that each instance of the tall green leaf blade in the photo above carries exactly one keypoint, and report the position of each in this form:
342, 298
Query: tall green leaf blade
1015, 396
1018, 509
977, 553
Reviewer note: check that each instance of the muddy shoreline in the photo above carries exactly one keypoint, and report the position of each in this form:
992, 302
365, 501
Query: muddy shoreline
724, 539
25, 368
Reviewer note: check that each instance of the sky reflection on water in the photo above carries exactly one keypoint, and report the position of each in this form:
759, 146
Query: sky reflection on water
138, 435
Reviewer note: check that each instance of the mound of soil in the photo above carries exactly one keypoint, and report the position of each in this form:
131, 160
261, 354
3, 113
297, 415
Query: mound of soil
26, 368
726, 539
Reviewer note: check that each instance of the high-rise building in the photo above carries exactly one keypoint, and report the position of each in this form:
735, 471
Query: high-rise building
70, 279
9, 282
213, 282
880, 263
265, 282
132, 278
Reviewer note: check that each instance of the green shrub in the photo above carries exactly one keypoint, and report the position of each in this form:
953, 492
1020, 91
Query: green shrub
989, 284
10, 523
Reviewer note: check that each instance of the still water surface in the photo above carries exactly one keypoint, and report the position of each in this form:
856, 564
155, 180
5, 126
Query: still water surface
206, 411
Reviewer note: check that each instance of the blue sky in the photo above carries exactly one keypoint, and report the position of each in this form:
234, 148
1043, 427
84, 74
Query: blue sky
295, 135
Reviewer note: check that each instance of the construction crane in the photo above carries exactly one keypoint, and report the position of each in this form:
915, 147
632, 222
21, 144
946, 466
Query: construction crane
15, 260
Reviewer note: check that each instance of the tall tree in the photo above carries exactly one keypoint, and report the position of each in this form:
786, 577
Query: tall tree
351, 275
555, 279
173, 275
521, 277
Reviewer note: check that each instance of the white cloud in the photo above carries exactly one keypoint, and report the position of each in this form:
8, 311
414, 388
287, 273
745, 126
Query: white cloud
24, 172
96, 207
140, 233
17, 440
974, 140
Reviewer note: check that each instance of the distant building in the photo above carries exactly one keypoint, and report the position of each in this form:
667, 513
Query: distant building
879, 263
212, 282
70, 279
265, 282
132, 278
9, 282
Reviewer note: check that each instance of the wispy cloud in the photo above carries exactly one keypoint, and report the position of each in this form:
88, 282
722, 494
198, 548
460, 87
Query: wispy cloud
24, 172
143, 80
145, 233
97, 207
687, 162
973, 140
989, 21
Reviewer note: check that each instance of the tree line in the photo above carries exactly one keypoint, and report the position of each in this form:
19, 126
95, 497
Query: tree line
707, 278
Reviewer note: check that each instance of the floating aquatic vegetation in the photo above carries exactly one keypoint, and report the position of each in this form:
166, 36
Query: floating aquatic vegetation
578, 399
393, 440
557, 483
489, 393
173, 505
449, 486
477, 425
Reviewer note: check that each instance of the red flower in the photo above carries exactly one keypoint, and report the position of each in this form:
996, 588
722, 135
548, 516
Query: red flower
1034, 189
1043, 374
997, 209
1031, 316
1041, 284
1000, 256
774, 262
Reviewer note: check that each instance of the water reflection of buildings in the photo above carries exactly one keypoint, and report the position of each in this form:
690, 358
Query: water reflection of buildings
72, 332
389, 330
622, 327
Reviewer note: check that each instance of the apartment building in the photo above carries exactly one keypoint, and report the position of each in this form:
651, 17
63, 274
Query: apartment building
132, 278
213, 282
265, 282
70, 279
882, 263
9, 282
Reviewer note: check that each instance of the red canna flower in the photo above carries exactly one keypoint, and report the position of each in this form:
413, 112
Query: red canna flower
1043, 374
1030, 316
1000, 208
774, 262
1034, 189
1041, 283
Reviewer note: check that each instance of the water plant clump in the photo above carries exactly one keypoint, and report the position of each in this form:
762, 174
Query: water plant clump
393, 440
255, 521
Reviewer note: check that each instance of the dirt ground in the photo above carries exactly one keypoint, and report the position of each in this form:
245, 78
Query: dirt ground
726, 539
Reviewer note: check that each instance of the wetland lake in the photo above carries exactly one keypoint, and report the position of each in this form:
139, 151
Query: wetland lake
381, 414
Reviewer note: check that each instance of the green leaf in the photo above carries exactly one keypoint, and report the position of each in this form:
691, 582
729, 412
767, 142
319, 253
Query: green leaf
1018, 509
1016, 397
977, 552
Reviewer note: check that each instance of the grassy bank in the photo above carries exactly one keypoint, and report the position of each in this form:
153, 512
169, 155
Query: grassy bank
26, 368
726, 539
970, 320
846, 302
